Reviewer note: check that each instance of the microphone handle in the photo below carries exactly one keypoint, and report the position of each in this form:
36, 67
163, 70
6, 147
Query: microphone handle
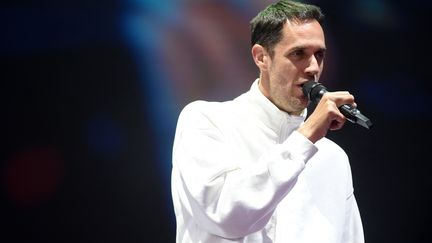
355, 116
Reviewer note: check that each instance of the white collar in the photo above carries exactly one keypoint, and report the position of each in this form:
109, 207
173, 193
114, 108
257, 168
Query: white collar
270, 114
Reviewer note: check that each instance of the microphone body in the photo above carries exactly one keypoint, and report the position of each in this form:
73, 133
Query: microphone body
314, 91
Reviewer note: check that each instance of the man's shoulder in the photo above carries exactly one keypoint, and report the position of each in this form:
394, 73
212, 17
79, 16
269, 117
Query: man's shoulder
205, 107
200, 111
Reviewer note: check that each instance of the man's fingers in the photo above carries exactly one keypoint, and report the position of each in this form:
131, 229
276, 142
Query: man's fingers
340, 98
337, 123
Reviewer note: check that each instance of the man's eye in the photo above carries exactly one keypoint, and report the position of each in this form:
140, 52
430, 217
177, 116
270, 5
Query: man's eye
297, 54
320, 55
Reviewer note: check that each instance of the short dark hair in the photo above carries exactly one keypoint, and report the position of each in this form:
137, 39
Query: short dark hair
267, 25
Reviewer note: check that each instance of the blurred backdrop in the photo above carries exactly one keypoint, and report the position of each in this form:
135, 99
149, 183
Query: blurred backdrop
91, 91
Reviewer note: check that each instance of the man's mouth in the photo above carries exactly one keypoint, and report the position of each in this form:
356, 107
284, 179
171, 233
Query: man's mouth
303, 83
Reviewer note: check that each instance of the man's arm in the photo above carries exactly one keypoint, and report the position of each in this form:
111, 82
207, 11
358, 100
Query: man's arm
226, 196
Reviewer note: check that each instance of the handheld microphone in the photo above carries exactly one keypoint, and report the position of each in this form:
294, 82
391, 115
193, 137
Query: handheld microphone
314, 91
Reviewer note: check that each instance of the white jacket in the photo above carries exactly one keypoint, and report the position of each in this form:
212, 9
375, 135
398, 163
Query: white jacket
242, 173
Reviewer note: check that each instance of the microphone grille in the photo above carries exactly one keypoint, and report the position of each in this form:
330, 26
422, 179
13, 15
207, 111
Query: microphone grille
313, 90
307, 88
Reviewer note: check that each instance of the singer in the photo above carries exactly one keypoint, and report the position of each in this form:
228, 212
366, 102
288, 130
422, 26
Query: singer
253, 169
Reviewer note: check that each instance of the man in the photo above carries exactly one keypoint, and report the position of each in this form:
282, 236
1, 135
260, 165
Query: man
253, 169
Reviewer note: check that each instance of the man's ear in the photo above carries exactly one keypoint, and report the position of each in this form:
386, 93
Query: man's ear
260, 56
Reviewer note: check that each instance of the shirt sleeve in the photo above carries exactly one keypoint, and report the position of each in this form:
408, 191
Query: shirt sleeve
225, 196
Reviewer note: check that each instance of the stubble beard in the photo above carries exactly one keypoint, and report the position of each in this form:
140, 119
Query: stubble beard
297, 105
291, 104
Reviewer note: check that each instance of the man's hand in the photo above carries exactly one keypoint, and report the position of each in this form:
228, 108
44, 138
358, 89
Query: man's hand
326, 115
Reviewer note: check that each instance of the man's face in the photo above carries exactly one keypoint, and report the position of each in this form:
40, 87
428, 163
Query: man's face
297, 58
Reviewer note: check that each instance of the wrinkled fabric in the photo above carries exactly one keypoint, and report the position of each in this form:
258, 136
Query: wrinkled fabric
242, 173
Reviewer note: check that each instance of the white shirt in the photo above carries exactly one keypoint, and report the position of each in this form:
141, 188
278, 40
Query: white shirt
242, 173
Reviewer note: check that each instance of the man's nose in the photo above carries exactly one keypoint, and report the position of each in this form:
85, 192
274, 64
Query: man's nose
313, 66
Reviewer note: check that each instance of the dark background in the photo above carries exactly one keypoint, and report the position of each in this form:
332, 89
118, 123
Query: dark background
91, 90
